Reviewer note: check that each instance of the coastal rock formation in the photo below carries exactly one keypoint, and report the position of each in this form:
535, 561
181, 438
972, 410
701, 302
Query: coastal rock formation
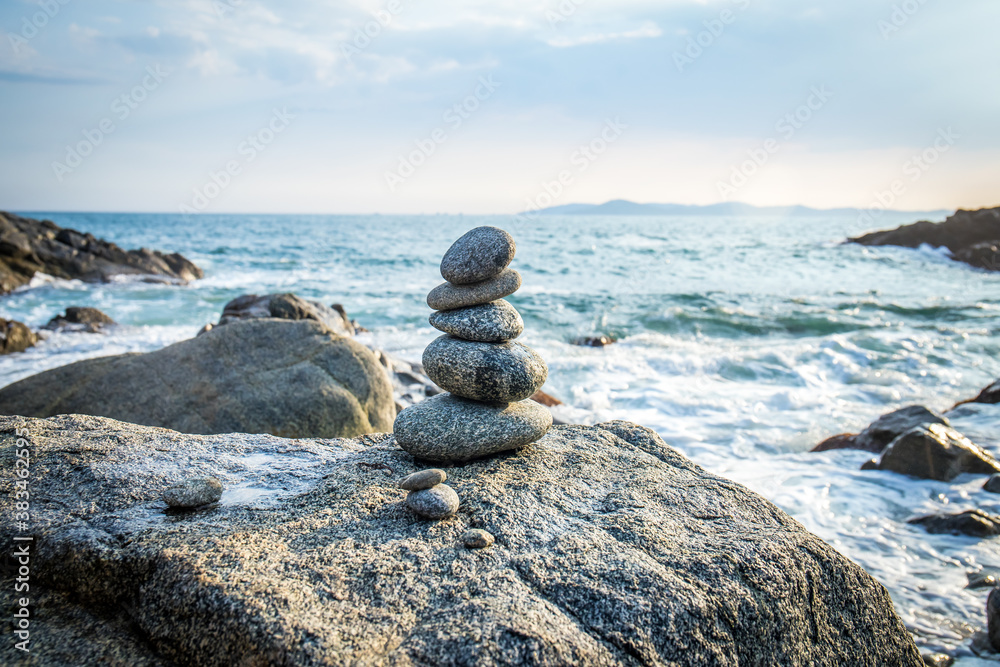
935, 451
611, 549
80, 319
993, 619
287, 307
971, 236
884, 430
291, 379
15, 336
29, 246
989, 395
974, 523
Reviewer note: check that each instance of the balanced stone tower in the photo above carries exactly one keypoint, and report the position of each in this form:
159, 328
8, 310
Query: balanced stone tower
487, 375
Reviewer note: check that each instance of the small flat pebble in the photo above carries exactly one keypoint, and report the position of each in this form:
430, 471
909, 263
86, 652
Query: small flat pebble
424, 479
493, 322
477, 539
448, 296
437, 502
481, 254
193, 493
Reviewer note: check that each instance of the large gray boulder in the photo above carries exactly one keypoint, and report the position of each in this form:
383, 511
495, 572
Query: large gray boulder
611, 549
288, 378
287, 306
29, 246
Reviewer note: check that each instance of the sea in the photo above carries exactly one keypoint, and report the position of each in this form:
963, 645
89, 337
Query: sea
742, 341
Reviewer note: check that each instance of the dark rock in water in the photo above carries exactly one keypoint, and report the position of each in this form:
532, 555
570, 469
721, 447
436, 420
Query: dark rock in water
80, 318
481, 254
448, 297
993, 618
937, 660
493, 322
841, 441
990, 395
988, 577
424, 479
888, 427
974, 523
477, 539
935, 451
967, 234
437, 502
870, 464
15, 336
617, 551
593, 341
292, 379
491, 372
287, 307
450, 428
30, 246
992, 485
193, 493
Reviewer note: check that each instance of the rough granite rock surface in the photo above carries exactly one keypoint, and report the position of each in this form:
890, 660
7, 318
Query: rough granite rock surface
480, 254
286, 378
448, 297
493, 322
451, 428
611, 549
492, 372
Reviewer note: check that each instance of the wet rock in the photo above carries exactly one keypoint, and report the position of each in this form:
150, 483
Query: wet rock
437, 502
477, 539
973, 523
985, 255
79, 318
888, 427
287, 306
658, 563
291, 379
993, 618
990, 395
491, 372
15, 336
29, 246
593, 341
935, 451
450, 428
448, 296
493, 322
193, 493
992, 485
424, 479
937, 660
480, 254
841, 441
870, 464
988, 577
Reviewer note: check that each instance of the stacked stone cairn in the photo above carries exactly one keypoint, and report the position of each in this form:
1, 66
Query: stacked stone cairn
487, 376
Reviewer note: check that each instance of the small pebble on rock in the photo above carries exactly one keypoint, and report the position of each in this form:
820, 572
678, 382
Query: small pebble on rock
193, 493
437, 502
477, 539
424, 479
993, 484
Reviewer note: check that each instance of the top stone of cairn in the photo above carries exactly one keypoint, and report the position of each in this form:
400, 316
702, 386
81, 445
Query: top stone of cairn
481, 254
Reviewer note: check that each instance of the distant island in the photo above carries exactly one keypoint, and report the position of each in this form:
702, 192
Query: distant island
625, 207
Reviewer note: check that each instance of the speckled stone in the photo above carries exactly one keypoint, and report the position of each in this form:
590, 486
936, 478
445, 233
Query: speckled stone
448, 296
491, 372
424, 479
493, 322
193, 493
477, 539
481, 254
437, 502
450, 428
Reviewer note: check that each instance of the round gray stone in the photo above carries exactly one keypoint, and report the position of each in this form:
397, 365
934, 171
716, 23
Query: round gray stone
477, 539
448, 296
193, 493
491, 372
437, 502
493, 322
424, 479
450, 428
481, 254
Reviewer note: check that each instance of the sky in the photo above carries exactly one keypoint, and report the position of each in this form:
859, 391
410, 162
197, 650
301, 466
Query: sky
398, 106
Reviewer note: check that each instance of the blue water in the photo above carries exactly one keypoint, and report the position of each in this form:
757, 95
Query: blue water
743, 342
